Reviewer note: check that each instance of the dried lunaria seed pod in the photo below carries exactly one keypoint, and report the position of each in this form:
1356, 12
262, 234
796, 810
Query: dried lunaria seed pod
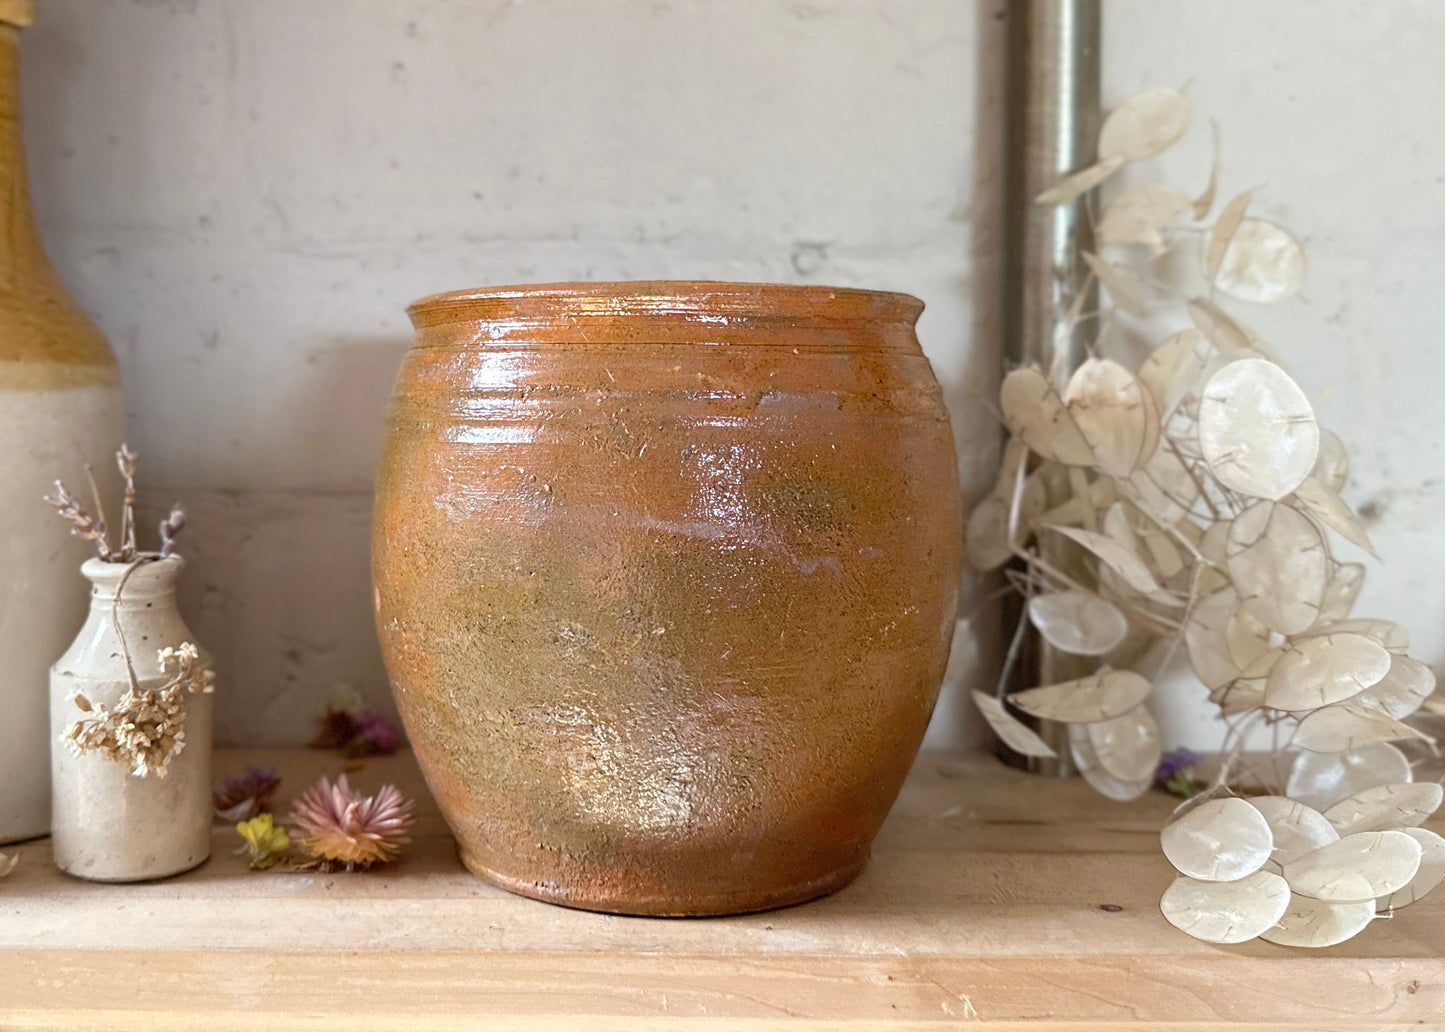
1295, 828
1099, 697
1357, 868
1429, 875
1079, 623
1322, 779
1219, 840
1383, 807
1317, 923
1196, 501
1226, 912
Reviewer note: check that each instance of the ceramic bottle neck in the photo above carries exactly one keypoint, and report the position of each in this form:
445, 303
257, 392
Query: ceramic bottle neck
149, 583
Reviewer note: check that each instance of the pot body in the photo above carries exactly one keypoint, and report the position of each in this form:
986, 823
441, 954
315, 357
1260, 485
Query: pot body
108, 822
60, 408
665, 578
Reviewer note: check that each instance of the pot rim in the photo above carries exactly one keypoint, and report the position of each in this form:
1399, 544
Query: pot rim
701, 300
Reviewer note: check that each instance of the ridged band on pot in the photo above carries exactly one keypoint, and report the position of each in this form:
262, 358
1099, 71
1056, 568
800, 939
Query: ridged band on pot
665, 578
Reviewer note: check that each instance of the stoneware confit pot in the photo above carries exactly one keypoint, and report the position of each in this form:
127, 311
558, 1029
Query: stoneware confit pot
665, 578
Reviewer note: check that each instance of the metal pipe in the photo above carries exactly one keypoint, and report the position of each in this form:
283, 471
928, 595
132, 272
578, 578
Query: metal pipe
1054, 113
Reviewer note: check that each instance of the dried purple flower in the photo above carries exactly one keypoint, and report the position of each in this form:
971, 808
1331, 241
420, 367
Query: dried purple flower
244, 795
339, 826
356, 734
338, 726
1175, 772
375, 736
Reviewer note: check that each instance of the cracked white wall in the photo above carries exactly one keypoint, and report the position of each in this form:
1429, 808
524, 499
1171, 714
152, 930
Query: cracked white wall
247, 193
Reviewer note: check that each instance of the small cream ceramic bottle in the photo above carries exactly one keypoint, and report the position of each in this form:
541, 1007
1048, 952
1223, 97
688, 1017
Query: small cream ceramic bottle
120, 812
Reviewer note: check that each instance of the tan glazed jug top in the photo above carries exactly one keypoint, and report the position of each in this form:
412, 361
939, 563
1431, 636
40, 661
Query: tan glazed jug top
656, 311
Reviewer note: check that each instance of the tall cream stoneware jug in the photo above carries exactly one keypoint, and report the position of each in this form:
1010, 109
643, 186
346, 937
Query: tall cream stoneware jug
60, 407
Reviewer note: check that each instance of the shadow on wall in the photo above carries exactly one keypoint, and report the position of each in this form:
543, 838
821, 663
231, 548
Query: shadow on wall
279, 581
974, 661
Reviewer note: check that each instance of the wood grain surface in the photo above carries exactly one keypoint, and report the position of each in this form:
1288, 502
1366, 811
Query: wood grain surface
992, 897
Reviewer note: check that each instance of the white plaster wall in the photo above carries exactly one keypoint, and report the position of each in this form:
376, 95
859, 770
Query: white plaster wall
246, 193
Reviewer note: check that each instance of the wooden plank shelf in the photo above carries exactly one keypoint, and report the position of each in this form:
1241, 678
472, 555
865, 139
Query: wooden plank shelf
992, 897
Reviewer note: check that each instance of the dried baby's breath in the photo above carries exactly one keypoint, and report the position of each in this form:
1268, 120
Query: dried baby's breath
146, 729
1198, 501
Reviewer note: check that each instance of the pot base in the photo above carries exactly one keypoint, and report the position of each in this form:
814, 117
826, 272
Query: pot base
578, 898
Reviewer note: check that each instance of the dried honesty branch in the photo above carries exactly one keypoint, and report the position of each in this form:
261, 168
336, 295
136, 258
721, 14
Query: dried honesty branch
7, 863
146, 729
1195, 500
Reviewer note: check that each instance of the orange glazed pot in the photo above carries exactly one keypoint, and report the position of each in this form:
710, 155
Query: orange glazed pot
665, 581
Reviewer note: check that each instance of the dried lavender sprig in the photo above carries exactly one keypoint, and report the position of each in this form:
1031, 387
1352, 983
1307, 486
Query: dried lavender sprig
83, 524
125, 462
171, 528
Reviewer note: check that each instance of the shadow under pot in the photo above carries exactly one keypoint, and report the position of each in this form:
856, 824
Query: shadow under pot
665, 578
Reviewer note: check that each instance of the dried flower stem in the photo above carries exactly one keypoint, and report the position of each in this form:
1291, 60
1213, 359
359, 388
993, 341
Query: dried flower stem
125, 462
83, 525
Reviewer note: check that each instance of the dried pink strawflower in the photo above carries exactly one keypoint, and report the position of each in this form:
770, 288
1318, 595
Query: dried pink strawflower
339, 826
